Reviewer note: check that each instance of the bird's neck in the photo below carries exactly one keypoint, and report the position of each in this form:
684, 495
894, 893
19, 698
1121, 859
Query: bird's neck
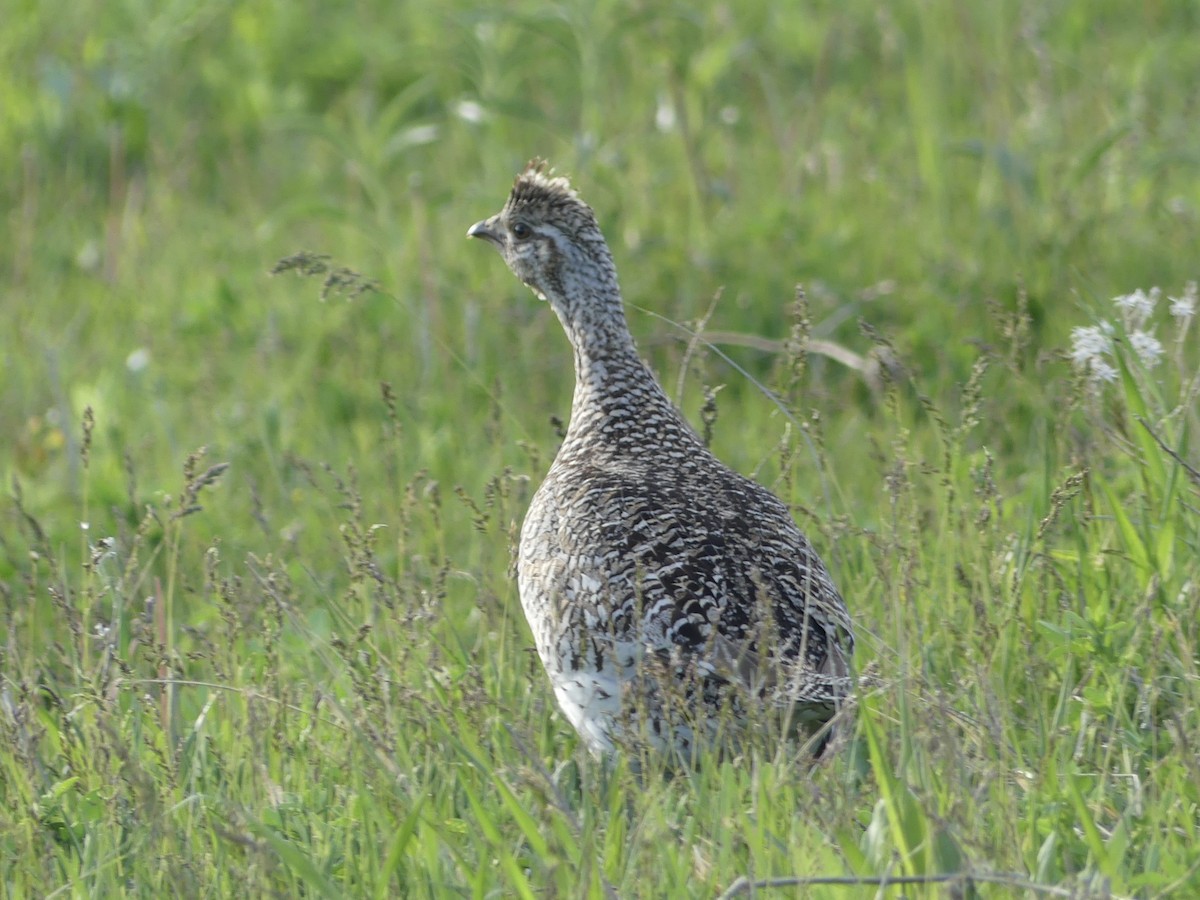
616, 395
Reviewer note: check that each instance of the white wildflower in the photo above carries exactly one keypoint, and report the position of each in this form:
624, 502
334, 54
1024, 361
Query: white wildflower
665, 118
1089, 343
1185, 307
1137, 307
1090, 346
470, 111
89, 256
1147, 347
137, 360
1099, 370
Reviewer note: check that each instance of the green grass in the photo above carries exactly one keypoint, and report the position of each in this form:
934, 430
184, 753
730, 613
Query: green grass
307, 674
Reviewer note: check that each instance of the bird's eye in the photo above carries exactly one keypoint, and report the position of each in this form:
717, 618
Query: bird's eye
521, 231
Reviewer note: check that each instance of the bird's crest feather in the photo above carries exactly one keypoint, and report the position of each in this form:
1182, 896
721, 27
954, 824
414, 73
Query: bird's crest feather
537, 185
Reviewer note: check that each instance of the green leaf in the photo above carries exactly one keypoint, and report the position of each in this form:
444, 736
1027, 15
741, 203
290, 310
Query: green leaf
297, 861
500, 846
530, 828
906, 819
59, 788
1083, 816
396, 850
856, 859
1151, 456
1134, 547
1048, 870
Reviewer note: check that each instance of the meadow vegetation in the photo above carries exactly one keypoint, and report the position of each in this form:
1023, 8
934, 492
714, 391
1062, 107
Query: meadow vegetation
260, 633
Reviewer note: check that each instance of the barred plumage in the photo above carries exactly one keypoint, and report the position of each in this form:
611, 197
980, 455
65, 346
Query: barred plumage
666, 593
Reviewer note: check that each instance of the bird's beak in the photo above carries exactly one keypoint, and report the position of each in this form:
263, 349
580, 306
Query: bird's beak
490, 230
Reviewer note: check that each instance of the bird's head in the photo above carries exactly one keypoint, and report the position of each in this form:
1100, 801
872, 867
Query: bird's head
549, 238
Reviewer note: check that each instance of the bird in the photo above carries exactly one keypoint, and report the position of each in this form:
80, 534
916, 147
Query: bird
674, 602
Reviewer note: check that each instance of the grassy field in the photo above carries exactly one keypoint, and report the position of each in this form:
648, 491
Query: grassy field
260, 635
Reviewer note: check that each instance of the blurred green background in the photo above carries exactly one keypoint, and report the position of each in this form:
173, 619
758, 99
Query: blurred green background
956, 185
909, 163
